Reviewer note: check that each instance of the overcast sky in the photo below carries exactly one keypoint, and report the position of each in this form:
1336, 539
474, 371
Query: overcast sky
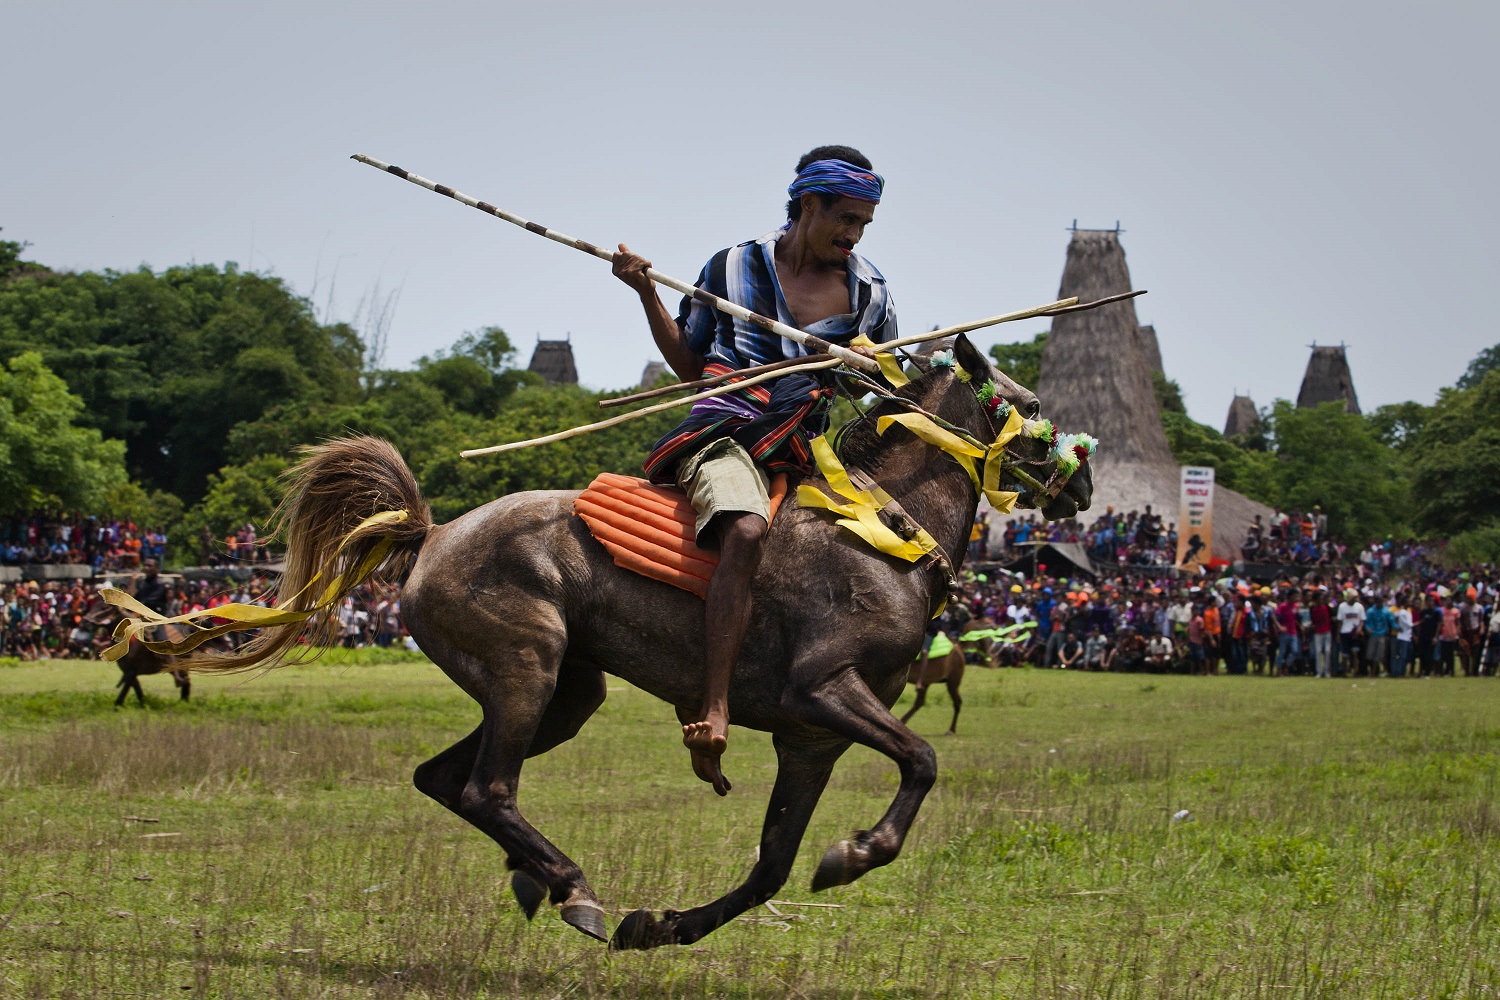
1285, 172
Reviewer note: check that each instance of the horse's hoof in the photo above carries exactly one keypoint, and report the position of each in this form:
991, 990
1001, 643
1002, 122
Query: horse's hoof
834, 869
587, 917
529, 892
640, 930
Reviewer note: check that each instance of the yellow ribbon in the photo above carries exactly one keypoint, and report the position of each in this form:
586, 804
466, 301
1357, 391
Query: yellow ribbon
241, 616
862, 514
981, 462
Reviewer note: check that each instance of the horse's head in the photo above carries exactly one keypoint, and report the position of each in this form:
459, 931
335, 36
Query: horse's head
957, 401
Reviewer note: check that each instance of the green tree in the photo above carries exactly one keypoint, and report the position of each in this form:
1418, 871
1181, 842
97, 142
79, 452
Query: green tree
237, 495
1168, 393
47, 461
1398, 425
10, 258
1252, 473
1488, 360
1333, 459
1456, 460
1022, 360
171, 362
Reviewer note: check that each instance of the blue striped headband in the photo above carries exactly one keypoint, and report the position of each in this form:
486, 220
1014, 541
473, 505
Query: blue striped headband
838, 177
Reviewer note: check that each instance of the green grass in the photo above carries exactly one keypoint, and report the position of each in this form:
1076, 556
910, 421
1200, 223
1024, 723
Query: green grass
1343, 842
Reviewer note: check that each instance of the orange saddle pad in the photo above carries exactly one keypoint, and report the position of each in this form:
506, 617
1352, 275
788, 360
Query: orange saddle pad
649, 529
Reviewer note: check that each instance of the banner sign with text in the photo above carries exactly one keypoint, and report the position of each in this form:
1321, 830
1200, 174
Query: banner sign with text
1195, 519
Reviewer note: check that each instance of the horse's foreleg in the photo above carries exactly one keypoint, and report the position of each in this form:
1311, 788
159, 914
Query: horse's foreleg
124, 687
844, 704
140, 695
800, 778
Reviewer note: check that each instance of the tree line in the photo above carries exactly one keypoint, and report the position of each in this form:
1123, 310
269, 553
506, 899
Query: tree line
177, 398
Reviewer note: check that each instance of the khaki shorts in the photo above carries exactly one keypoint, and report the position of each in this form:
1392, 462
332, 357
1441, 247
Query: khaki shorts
722, 478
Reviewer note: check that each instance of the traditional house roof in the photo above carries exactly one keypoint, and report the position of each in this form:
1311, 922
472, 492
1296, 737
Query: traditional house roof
1243, 417
654, 372
1096, 378
1327, 380
553, 361
1147, 337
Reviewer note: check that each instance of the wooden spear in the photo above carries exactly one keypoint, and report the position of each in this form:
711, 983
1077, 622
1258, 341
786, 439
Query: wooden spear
646, 411
766, 372
667, 390
724, 305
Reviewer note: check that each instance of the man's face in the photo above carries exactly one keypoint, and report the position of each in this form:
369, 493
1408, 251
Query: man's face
149, 566
832, 231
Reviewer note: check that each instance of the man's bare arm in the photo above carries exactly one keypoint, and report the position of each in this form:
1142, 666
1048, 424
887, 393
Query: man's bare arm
683, 360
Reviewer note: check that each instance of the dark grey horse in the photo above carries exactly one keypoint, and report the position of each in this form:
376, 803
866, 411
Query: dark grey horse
526, 612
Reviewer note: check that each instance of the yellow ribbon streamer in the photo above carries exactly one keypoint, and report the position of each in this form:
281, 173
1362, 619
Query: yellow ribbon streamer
861, 515
981, 462
242, 616
890, 367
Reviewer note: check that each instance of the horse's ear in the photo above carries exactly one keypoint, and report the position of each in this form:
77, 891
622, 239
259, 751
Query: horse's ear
966, 354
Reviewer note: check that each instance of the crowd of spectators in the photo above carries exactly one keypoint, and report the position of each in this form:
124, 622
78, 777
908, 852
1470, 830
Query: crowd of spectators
58, 619
1130, 540
1296, 539
103, 544
1391, 611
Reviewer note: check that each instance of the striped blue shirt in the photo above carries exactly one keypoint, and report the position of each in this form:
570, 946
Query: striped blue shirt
746, 275
774, 421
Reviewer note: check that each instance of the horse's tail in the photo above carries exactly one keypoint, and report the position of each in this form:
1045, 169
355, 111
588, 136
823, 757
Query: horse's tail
352, 511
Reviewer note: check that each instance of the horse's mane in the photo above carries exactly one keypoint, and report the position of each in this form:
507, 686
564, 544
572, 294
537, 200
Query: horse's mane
856, 442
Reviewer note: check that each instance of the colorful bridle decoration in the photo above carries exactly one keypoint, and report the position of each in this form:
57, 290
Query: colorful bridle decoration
985, 463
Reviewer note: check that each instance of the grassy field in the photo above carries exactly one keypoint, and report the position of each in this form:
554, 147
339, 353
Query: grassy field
265, 841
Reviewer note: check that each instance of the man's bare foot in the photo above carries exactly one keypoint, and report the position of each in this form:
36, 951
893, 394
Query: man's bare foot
707, 740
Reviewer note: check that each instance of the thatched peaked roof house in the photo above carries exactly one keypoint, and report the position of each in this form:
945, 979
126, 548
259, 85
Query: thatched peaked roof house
553, 361
652, 373
1243, 417
1328, 379
1152, 348
1096, 378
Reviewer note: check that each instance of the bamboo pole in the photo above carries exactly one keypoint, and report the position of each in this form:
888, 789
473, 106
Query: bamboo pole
724, 305
646, 411
703, 383
665, 390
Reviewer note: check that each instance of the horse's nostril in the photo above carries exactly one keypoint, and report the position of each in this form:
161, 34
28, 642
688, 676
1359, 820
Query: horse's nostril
1034, 409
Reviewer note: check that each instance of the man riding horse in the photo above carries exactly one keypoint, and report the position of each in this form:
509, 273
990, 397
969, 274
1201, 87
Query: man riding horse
807, 275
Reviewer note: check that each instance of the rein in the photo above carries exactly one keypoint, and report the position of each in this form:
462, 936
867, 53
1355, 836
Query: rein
879, 520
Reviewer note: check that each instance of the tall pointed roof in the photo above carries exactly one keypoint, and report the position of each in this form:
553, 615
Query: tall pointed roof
1328, 379
1152, 348
1095, 375
553, 361
652, 373
1096, 378
1243, 417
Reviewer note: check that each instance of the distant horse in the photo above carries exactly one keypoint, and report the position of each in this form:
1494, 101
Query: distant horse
519, 604
944, 662
141, 661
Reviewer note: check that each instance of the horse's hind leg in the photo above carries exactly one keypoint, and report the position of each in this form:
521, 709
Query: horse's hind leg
579, 693
124, 687
917, 703
953, 680
803, 769
514, 683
